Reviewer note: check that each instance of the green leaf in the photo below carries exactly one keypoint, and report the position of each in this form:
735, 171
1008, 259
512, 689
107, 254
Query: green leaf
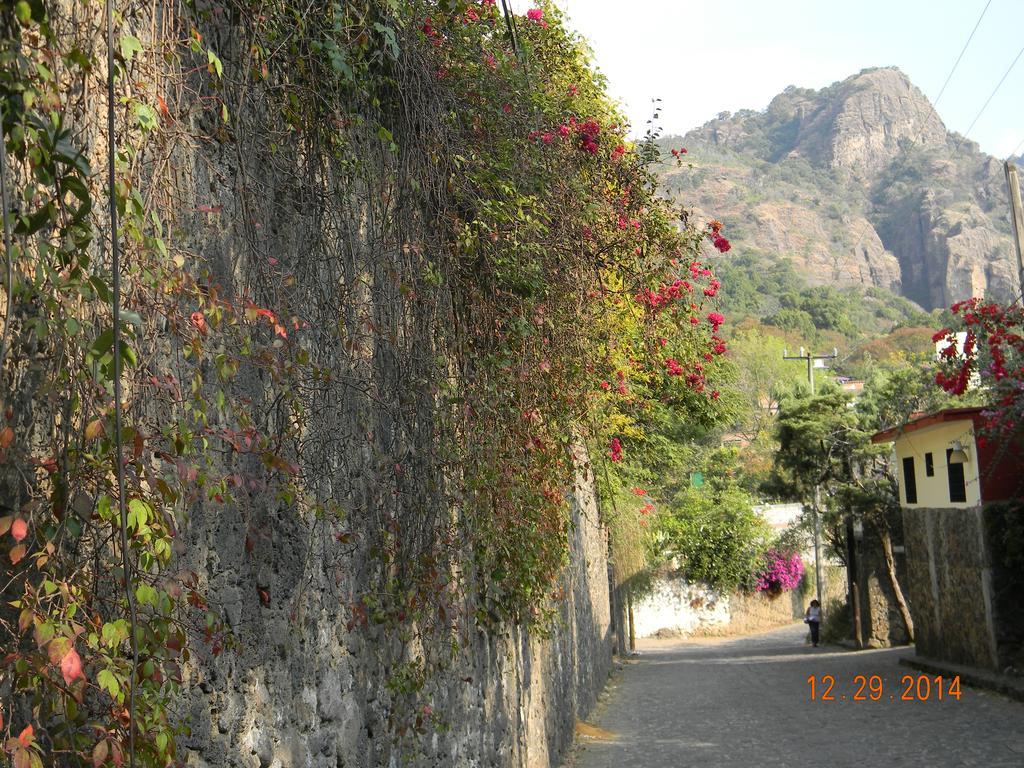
145, 594
102, 289
108, 682
103, 343
130, 45
214, 62
138, 513
131, 317
146, 116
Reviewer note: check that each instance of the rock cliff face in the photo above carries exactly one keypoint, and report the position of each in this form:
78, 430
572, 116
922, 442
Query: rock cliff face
861, 184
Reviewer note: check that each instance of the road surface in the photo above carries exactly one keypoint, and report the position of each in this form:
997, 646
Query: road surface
746, 703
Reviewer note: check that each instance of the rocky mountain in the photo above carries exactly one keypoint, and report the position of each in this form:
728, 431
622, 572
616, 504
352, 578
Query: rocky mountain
857, 184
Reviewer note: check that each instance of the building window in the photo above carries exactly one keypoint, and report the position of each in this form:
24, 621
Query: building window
929, 465
957, 486
910, 480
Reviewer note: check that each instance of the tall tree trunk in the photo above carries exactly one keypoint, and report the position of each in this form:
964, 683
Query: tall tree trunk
890, 567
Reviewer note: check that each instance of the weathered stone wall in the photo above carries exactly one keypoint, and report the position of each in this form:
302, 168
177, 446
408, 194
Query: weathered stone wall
881, 622
310, 692
266, 213
950, 585
677, 607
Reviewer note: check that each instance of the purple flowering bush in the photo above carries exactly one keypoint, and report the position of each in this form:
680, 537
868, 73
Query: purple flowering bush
779, 571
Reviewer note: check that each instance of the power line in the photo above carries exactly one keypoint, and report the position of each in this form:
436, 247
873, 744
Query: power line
1016, 149
962, 52
991, 96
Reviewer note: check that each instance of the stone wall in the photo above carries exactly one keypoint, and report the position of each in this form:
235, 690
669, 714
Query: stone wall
677, 607
311, 677
310, 692
881, 622
950, 585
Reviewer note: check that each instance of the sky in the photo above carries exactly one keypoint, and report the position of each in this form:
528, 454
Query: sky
702, 57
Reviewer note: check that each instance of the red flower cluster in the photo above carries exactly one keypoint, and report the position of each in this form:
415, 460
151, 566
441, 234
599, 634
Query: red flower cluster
664, 295
621, 388
588, 136
679, 152
618, 152
721, 243
615, 450
712, 288
673, 367
716, 320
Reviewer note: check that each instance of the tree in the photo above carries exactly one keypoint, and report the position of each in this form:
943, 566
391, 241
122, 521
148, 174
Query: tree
824, 442
712, 529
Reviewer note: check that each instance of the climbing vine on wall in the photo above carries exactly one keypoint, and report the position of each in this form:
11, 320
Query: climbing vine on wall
479, 286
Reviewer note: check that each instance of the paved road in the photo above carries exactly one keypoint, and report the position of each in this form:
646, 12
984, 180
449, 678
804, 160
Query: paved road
745, 703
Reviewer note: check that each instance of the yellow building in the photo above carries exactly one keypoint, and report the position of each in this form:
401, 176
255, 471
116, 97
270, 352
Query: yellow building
948, 476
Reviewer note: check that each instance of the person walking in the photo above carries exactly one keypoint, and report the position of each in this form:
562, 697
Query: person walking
813, 620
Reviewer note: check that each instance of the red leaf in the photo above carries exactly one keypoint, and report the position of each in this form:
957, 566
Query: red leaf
71, 666
6, 437
99, 753
17, 553
26, 736
19, 529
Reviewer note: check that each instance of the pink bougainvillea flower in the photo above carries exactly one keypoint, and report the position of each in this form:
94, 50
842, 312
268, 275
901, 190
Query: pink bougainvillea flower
199, 321
639, 492
715, 394
563, 131
618, 152
71, 666
605, 386
19, 529
715, 319
615, 449
506, 108
673, 367
547, 138
471, 15
535, 14
722, 244
573, 90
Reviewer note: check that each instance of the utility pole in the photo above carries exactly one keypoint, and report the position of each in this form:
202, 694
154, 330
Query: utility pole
810, 362
1017, 215
817, 489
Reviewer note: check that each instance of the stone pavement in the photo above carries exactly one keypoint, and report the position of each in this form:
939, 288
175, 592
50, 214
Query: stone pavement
745, 703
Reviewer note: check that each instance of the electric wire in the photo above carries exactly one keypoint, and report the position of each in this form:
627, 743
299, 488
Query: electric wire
1016, 150
962, 52
991, 96
115, 268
